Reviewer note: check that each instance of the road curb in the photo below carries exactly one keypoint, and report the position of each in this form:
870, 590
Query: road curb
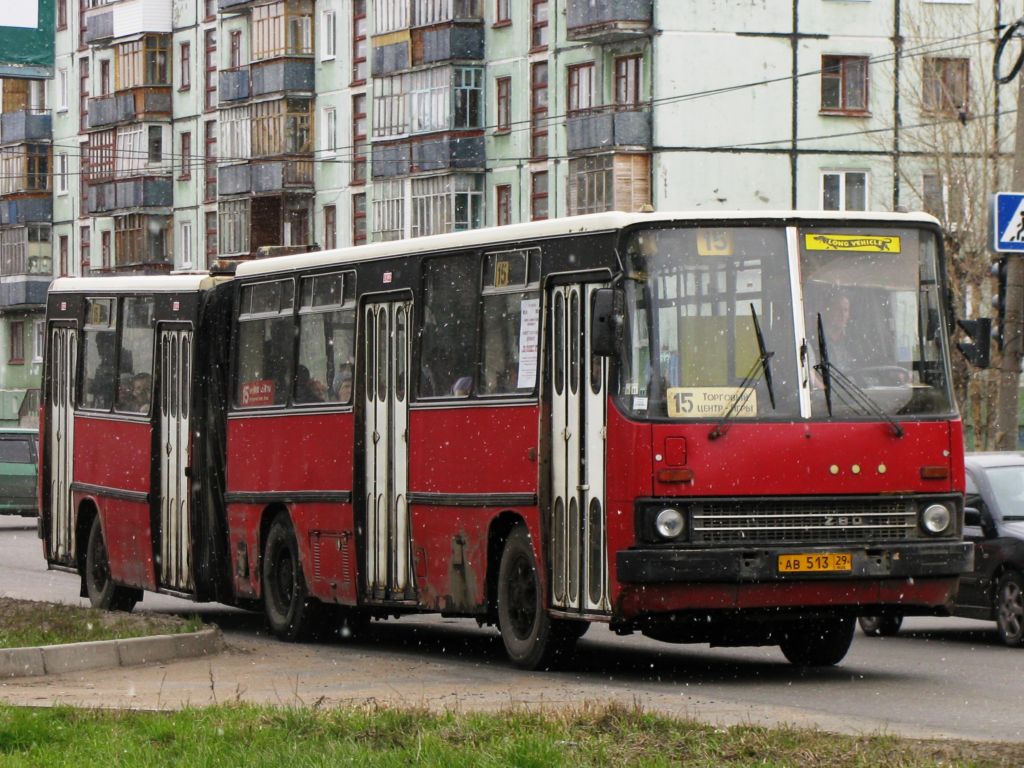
77, 657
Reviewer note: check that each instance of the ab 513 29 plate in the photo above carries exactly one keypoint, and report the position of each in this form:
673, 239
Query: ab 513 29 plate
828, 562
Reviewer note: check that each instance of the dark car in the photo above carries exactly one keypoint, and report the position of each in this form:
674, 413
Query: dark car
994, 521
19, 450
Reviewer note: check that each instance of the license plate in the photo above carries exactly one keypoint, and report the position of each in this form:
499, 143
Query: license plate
816, 563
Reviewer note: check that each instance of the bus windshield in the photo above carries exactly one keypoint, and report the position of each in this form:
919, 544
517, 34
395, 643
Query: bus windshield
723, 322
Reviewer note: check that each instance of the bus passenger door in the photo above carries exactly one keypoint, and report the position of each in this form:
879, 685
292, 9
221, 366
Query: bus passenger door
60, 427
388, 549
579, 578
175, 408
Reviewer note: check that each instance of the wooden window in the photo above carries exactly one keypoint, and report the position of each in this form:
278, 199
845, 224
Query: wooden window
83, 94
185, 66
17, 356
284, 28
210, 74
85, 249
628, 82
186, 155
62, 15
233, 227
210, 8
329, 133
946, 85
105, 254
185, 246
360, 150
105, 77
538, 195
502, 14
359, 218
330, 227
538, 24
608, 182
65, 255
155, 144
210, 160
211, 236
235, 55
141, 239
329, 35
359, 42
581, 88
503, 86
282, 126
503, 193
539, 110
844, 84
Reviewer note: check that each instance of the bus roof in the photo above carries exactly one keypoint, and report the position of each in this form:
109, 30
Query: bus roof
571, 225
137, 283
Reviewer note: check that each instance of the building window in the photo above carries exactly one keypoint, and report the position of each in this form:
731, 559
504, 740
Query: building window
609, 183
389, 210
62, 173
503, 86
143, 62
282, 126
106, 257
105, 77
360, 149
210, 160
233, 227
844, 83
469, 99
330, 131
538, 24
85, 249
538, 195
64, 255
210, 74
946, 85
330, 42
185, 247
539, 110
186, 155
141, 239
38, 340
330, 227
185, 66
235, 134
359, 42
502, 14
390, 15
284, 28
442, 204
62, 90
211, 236
17, 356
628, 81
156, 144
503, 195
581, 88
235, 51
62, 15
83, 94
359, 218
844, 191
210, 8
26, 250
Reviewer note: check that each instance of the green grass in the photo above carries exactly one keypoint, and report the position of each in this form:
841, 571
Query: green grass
25, 624
255, 736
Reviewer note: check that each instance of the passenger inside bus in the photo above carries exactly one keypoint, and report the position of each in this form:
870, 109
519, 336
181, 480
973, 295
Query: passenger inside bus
343, 383
308, 389
463, 386
142, 387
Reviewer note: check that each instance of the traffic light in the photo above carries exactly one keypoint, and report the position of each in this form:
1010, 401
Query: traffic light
977, 349
999, 270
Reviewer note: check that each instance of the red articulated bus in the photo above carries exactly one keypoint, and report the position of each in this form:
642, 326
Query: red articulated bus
735, 429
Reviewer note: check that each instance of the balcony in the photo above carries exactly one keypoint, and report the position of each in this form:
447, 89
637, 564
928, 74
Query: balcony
130, 194
26, 125
282, 75
233, 84
609, 129
234, 179
228, 6
126, 106
263, 177
390, 160
447, 43
26, 210
24, 290
448, 153
126, 18
607, 21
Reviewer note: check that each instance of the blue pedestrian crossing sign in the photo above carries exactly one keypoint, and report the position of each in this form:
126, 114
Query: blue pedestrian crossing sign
1008, 222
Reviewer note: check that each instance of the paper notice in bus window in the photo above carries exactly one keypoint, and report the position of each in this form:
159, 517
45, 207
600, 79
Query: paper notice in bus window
529, 342
861, 243
714, 242
257, 393
709, 402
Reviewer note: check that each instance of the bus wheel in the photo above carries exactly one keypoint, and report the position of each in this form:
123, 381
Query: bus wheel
880, 626
1010, 609
818, 642
532, 639
102, 591
289, 610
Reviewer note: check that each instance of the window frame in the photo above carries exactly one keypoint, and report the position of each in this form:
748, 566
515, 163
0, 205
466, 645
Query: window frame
936, 76
503, 104
581, 95
843, 175
185, 66
836, 67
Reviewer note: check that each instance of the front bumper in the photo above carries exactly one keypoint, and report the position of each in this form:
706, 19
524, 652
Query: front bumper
662, 565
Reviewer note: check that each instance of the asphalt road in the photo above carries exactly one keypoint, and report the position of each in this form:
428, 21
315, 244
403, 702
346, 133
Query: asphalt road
938, 678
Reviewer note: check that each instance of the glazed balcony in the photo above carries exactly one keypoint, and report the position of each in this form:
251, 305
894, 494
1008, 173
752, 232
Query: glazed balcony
129, 194
608, 129
282, 76
26, 265
126, 106
607, 21
25, 170
25, 125
233, 84
126, 18
26, 210
265, 177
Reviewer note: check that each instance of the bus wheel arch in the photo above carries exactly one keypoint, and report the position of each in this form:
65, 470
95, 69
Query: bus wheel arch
101, 589
290, 610
83, 524
500, 529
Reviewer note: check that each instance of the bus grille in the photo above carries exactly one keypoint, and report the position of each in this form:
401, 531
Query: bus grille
803, 522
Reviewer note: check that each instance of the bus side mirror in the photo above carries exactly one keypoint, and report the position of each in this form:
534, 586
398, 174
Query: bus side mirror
979, 333
607, 319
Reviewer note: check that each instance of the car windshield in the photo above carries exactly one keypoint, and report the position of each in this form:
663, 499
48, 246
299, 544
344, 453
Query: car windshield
15, 450
1008, 488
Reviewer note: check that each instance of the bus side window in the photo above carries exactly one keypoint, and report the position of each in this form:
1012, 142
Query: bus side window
265, 337
448, 340
99, 349
511, 322
326, 339
135, 371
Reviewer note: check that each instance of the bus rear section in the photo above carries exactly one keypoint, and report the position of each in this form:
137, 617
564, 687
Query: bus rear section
121, 497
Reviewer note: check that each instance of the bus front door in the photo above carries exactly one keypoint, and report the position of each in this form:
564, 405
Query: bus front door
61, 442
174, 404
388, 549
579, 560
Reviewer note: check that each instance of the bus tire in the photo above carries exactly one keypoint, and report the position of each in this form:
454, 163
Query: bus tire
880, 626
818, 642
532, 638
1010, 609
290, 611
103, 593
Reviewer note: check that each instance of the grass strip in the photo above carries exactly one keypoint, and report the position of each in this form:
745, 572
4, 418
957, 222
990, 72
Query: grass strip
254, 736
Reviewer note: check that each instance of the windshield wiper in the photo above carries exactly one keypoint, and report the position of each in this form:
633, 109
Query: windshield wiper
829, 373
747, 384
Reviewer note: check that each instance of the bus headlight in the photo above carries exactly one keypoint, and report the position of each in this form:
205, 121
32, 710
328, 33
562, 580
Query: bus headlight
936, 519
669, 523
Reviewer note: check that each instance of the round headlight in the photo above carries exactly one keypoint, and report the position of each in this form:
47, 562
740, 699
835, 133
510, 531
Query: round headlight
936, 519
669, 523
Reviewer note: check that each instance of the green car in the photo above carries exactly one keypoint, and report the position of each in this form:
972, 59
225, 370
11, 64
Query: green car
19, 452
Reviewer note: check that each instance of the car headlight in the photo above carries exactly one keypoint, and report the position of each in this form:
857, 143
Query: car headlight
669, 523
936, 519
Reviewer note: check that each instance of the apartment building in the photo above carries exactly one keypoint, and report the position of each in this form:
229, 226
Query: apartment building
177, 132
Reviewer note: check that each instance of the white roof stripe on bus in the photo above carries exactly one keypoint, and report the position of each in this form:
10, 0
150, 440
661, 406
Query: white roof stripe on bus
571, 225
134, 283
